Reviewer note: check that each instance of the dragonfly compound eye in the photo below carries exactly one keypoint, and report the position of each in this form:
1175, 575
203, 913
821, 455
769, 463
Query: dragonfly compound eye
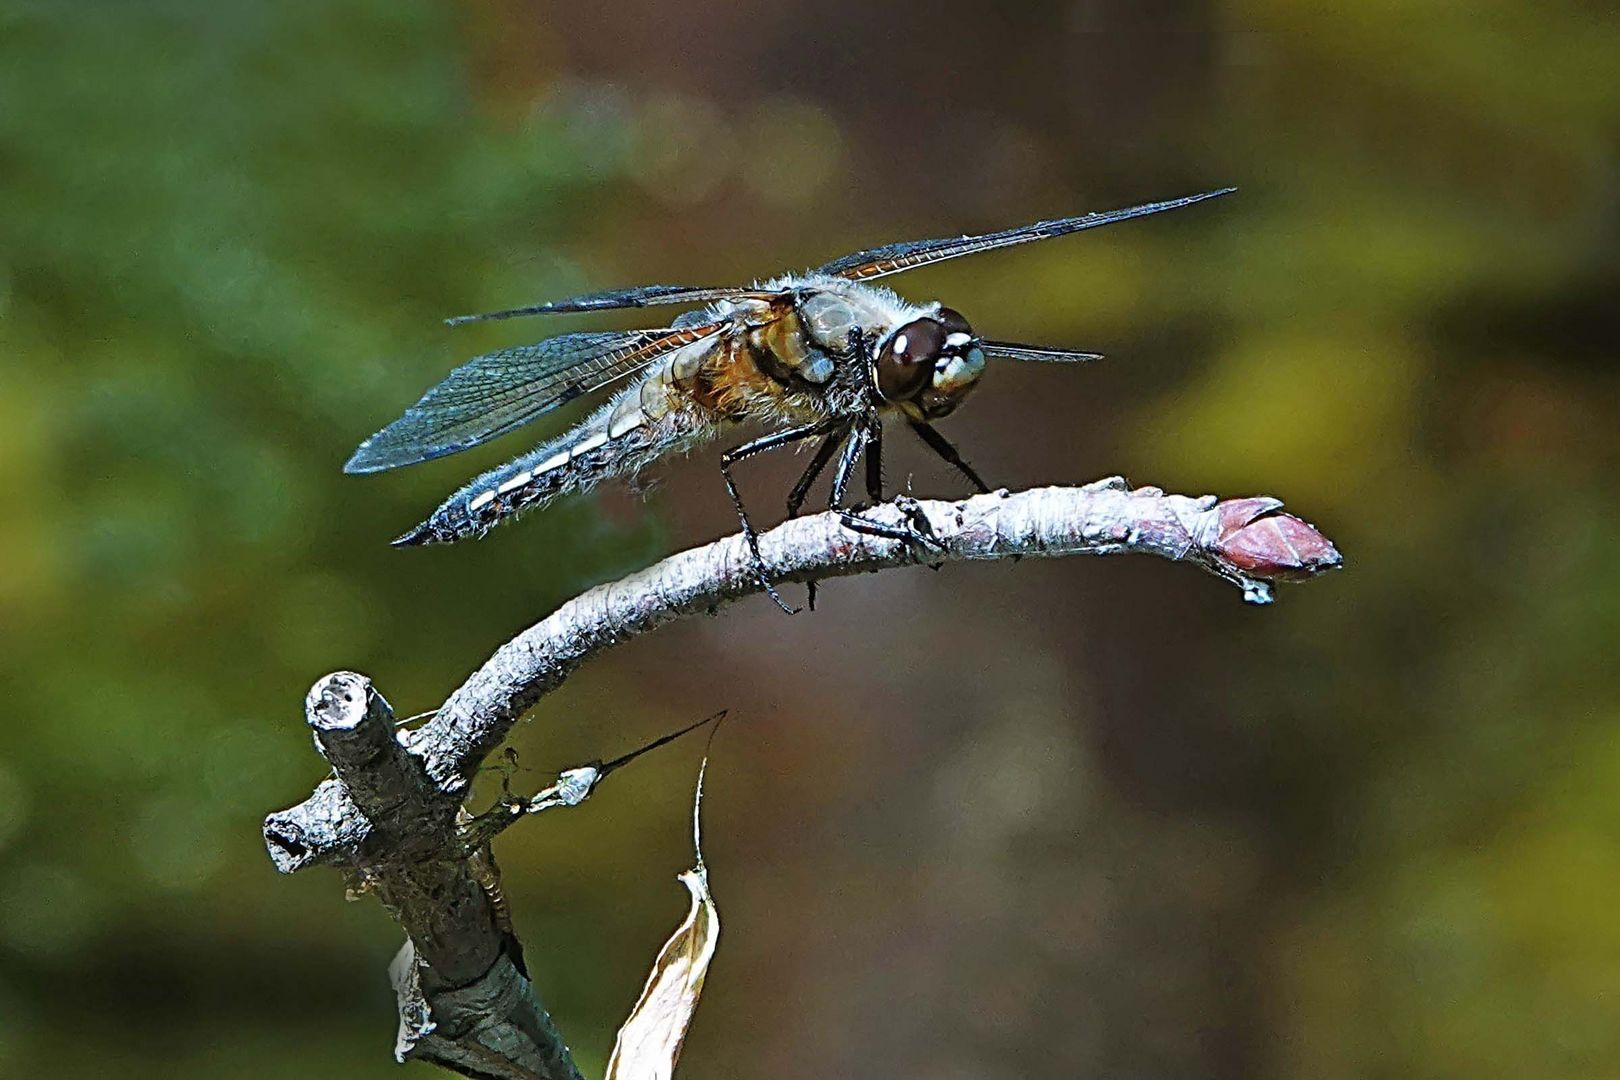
952, 321
905, 364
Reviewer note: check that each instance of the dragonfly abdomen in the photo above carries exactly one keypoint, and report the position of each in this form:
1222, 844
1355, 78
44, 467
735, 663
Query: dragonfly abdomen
624, 435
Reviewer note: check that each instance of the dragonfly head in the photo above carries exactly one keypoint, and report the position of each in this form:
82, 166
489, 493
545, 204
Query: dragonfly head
928, 365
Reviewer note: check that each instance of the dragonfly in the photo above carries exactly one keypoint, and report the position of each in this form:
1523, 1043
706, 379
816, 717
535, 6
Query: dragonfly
824, 357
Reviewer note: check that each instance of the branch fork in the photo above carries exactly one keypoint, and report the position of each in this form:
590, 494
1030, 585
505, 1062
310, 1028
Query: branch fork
392, 812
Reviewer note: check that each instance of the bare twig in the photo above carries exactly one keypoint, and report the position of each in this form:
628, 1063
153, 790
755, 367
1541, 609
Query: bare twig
573, 786
390, 812
464, 996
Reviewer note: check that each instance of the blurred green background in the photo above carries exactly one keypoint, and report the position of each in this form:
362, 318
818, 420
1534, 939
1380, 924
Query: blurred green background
1056, 820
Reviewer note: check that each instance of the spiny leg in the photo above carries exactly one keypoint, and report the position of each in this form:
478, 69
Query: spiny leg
773, 441
824, 453
874, 461
942, 446
796, 497
869, 437
853, 442
917, 528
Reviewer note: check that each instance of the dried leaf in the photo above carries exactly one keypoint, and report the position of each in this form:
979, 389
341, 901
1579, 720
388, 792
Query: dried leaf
650, 1040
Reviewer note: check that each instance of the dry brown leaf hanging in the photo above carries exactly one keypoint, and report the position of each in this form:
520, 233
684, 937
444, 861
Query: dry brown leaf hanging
650, 1040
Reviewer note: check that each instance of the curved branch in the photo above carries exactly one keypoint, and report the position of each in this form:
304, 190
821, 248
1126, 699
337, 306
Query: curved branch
390, 811
1247, 542
1244, 541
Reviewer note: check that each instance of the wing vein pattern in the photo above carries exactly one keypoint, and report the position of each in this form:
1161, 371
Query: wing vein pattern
1040, 354
638, 296
893, 258
499, 391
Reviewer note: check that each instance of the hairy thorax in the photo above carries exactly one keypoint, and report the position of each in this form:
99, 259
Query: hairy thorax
795, 362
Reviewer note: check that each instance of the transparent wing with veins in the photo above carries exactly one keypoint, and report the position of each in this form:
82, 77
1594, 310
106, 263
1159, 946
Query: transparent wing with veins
894, 258
499, 391
860, 266
638, 296
1038, 354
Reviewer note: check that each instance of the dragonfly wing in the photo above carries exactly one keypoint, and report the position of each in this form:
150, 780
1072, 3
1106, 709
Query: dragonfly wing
1040, 354
893, 258
638, 297
492, 394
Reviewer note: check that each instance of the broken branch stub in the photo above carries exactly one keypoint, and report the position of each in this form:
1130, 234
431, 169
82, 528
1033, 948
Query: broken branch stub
389, 813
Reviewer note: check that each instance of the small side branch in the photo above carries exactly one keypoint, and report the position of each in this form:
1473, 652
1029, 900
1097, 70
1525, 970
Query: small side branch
465, 1001
392, 812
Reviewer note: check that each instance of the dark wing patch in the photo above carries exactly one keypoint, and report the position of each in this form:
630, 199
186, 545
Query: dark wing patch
893, 258
638, 297
1040, 354
494, 393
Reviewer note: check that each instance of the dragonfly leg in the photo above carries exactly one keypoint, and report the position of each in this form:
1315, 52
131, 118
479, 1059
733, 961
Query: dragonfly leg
874, 461
823, 454
942, 446
869, 437
855, 521
796, 497
854, 443
775, 440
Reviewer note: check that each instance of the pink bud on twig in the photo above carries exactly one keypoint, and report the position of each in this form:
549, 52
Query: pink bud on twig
1255, 538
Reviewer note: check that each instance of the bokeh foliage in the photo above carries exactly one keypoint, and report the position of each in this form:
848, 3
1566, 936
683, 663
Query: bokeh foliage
227, 237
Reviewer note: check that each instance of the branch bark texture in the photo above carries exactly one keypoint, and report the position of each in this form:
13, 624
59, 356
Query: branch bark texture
389, 813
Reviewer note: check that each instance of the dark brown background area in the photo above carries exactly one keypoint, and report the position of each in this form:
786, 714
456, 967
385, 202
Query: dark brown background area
1045, 820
